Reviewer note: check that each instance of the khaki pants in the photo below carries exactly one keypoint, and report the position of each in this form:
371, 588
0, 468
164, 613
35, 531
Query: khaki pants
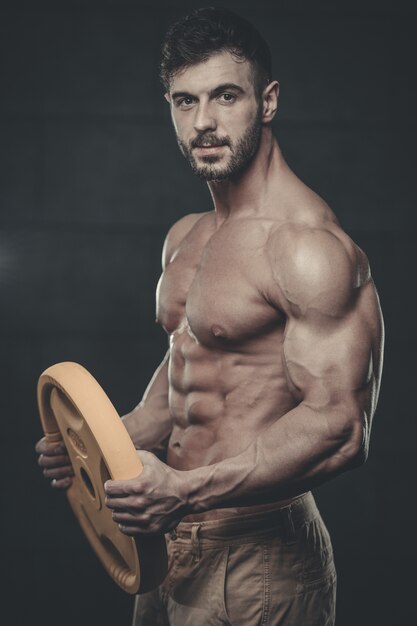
269, 568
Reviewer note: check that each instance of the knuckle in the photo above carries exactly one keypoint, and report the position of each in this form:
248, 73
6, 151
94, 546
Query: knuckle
61, 484
41, 443
136, 489
45, 462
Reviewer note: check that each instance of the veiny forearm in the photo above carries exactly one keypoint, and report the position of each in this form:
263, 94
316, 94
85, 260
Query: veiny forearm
299, 451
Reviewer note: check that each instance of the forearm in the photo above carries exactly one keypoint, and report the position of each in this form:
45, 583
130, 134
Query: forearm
148, 430
295, 454
150, 423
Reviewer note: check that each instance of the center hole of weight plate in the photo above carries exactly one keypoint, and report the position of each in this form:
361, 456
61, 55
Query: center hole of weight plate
87, 482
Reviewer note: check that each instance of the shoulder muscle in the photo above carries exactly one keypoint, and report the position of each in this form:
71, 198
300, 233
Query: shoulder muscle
176, 234
316, 270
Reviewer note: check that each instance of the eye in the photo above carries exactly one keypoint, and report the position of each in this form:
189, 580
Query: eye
184, 102
227, 97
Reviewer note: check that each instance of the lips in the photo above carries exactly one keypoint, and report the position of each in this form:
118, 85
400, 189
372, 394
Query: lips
208, 142
214, 145
210, 145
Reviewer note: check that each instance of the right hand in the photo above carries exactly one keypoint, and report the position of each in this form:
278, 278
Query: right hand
54, 460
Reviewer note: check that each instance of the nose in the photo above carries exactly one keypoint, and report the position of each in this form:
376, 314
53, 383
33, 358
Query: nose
204, 119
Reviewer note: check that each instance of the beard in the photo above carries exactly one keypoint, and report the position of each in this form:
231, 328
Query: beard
242, 152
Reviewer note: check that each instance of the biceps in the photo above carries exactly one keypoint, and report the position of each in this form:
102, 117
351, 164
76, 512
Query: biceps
328, 366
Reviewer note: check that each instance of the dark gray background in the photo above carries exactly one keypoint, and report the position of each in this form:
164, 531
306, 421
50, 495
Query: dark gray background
91, 181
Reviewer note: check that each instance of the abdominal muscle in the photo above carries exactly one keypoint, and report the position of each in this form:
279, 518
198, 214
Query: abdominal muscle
221, 400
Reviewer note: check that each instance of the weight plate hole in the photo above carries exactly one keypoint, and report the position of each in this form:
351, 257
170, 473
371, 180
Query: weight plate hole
88, 483
104, 472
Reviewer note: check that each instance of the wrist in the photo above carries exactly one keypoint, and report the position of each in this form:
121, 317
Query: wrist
194, 484
229, 482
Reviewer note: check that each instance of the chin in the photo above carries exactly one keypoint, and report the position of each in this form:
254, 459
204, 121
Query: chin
212, 176
209, 171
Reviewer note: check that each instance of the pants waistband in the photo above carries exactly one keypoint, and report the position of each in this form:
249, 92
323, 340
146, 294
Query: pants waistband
281, 521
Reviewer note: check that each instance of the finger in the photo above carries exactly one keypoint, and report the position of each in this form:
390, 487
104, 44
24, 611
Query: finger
53, 461
50, 448
120, 488
134, 519
147, 527
125, 503
59, 472
150, 529
63, 483
131, 531
41, 446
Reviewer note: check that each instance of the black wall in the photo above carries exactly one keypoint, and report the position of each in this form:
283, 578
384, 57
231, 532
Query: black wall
91, 181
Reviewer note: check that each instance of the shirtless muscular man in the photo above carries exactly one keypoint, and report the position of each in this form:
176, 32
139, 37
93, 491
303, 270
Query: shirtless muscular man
275, 353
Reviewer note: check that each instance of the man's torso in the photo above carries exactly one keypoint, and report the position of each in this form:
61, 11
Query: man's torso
227, 377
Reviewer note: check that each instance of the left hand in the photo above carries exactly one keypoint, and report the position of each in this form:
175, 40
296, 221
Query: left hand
153, 502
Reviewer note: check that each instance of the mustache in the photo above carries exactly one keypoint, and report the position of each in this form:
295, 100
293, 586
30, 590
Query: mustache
206, 141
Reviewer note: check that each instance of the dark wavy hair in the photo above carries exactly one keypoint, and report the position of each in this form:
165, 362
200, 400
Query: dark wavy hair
207, 31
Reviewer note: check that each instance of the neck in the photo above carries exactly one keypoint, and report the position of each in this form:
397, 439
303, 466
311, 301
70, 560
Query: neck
250, 190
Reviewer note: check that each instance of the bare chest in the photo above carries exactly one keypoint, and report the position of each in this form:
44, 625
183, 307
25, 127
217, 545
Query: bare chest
215, 288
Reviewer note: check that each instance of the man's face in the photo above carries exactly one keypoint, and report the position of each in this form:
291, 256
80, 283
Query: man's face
216, 116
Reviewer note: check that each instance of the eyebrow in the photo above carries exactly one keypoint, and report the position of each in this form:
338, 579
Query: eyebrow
212, 94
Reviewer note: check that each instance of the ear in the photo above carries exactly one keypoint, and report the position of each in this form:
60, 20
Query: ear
270, 101
167, 97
